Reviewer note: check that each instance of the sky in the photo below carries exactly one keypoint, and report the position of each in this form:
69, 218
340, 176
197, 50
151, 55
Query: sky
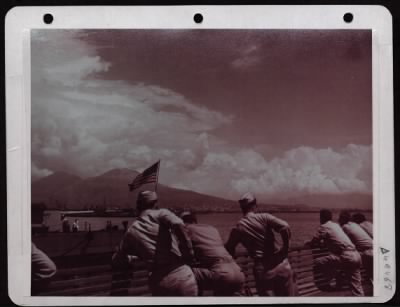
280, 113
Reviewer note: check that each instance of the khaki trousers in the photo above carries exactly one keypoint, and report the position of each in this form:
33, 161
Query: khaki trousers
349, 262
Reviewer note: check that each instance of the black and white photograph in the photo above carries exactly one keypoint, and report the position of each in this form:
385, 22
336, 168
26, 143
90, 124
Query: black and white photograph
213, 162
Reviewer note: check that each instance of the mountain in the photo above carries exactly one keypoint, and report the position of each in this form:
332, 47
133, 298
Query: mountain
177, 198
107, 190
110, 190
45, 189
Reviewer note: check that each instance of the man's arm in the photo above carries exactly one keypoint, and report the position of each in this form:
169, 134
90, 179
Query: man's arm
185, 244
42, 270
42, 266
124, 253
178, 227
232, 242
285, 234
283, 228
316, 240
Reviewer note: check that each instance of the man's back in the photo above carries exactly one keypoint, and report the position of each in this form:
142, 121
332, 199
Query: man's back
153, 237
150, 238
255, 232
334, 237
358, 236
367, 226
207, 244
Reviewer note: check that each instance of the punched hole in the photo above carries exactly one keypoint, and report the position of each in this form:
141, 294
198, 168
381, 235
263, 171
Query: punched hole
48, 18
198, 18
348, 17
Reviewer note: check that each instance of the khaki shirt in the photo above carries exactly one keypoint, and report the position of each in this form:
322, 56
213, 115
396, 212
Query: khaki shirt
358, 236
334, 237
367, 226
207, 244
150, 237
255, 231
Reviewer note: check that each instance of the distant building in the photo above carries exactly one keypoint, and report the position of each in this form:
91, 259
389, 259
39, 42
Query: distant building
88, 219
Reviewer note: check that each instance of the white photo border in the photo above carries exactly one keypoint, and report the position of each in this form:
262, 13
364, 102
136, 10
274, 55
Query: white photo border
20, 20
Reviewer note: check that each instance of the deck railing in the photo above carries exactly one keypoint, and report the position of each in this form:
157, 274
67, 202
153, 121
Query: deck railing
95, 277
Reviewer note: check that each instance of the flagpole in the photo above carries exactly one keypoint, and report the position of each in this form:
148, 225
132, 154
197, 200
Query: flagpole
158, 170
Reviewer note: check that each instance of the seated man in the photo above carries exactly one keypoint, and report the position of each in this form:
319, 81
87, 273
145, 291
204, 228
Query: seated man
360, 239
216, 269
255, 231
158, 237
343, 255
360, 219
42, 270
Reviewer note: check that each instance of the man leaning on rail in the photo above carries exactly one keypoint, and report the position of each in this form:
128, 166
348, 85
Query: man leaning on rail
215, 268
255, 231
361, 240
158, 237
343, 254
360, 219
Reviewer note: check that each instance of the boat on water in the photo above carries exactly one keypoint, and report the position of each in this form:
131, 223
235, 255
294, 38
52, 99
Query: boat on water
94, 220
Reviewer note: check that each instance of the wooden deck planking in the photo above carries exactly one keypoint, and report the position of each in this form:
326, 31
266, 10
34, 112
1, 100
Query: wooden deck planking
100, 280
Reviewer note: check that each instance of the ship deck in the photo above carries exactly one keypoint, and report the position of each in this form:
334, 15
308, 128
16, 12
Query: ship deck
84, 269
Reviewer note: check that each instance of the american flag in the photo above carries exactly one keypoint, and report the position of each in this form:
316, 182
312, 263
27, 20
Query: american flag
149, 175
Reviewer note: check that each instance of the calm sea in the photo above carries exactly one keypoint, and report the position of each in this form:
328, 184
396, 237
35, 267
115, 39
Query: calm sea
303, 225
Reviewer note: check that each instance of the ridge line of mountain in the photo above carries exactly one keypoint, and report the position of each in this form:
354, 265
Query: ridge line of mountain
110, 190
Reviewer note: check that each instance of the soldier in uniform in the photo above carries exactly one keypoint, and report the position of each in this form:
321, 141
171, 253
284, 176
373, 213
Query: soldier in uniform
42, 270
255, 231
158, 237
361, 240
360, 219
215, 270
343, 252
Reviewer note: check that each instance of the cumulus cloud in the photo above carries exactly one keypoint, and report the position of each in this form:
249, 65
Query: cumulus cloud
193, 158
72, 72
39, 172
306, 170
299, 171
85, 124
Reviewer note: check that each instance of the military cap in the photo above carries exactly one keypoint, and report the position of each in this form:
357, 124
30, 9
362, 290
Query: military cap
147, 198
247, 199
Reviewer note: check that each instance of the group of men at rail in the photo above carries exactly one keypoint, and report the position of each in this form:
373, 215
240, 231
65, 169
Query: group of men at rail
186, 258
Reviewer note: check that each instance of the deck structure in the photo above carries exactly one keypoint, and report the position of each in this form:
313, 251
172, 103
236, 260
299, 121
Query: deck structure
94, 276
